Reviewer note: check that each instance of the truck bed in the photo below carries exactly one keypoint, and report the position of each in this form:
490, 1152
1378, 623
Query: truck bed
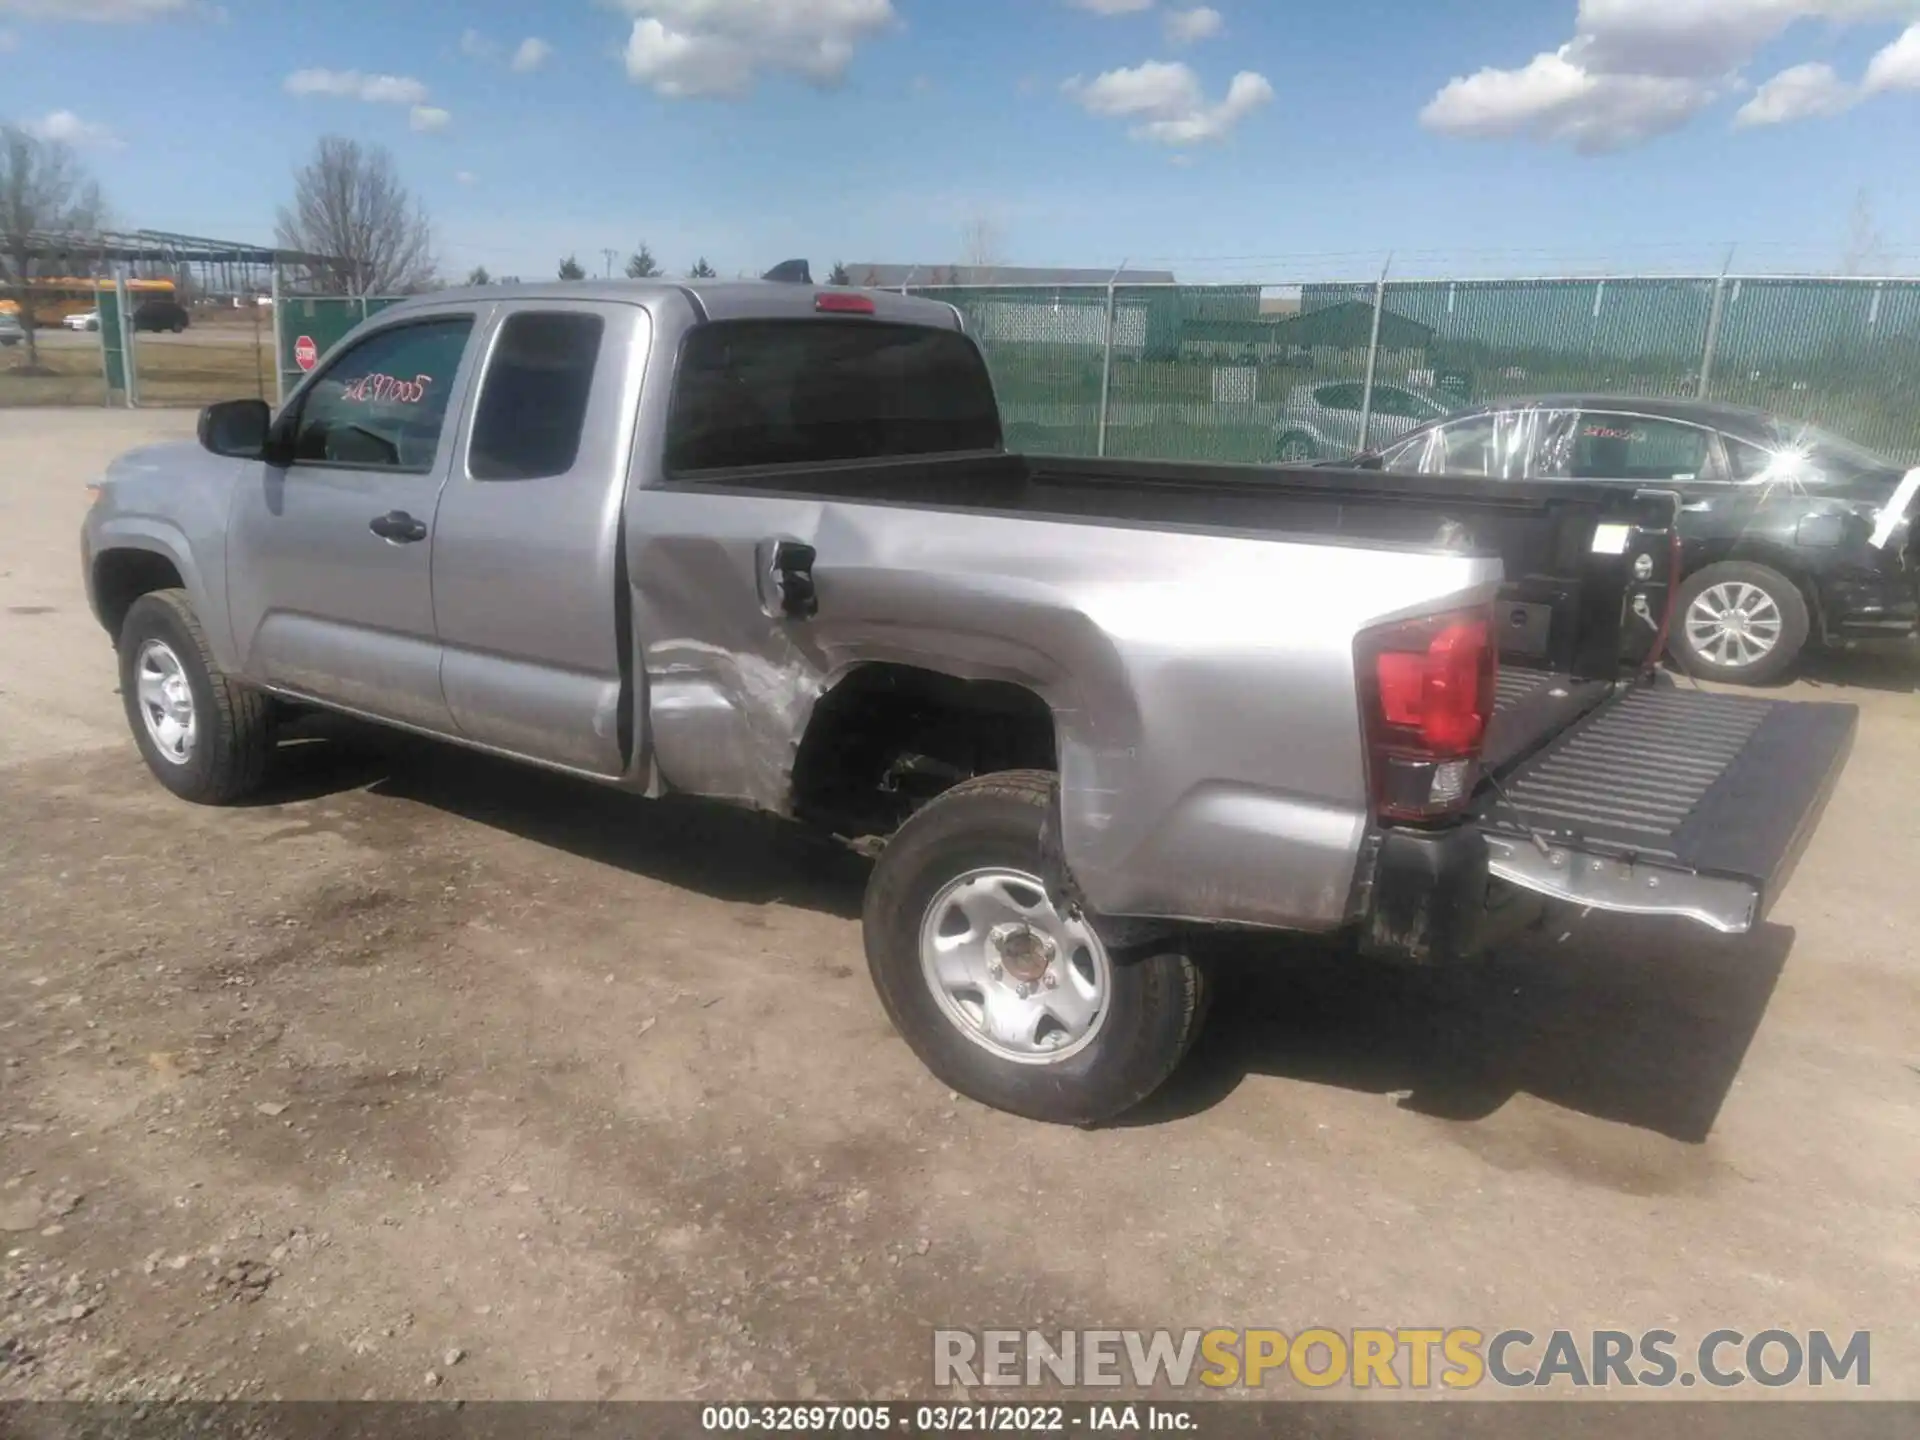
1564, 603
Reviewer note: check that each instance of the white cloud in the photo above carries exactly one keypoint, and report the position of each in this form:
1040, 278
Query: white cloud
720, 47
67, 128
352, 85
531, 54
1897, 67
1636, 69
1554, 98
476, 46
104, 11
1796, 93
429, 119
464, 177
1167, 103
1188, 27
1112, 7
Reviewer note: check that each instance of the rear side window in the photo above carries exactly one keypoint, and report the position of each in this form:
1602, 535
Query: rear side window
1630, 447
533, 402
810, 392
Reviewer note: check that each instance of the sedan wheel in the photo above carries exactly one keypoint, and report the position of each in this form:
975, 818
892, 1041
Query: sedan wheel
1734, 624
1739, 622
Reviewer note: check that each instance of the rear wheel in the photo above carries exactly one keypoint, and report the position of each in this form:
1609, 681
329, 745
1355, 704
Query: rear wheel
1739, 622
205, 737
1006, 996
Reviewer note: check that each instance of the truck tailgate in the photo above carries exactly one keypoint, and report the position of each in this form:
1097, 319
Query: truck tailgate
1670, 802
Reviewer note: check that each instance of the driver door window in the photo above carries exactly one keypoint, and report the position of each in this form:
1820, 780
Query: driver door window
383, 404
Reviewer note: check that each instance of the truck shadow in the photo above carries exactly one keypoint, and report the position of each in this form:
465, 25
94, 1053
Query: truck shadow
1641, 1022
715, 850
1637, 1021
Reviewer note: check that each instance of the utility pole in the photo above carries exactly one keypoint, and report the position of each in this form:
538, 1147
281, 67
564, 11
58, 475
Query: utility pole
611, 256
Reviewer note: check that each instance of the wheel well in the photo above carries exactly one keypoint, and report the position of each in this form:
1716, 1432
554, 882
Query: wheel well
888, 738
121, 577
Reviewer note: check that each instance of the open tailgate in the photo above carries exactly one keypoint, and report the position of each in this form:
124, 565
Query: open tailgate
1665, 801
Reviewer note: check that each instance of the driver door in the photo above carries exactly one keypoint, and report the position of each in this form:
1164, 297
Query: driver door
329, 569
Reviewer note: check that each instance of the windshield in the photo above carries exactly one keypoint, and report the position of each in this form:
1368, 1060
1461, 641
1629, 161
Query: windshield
1829, 451
1803, 454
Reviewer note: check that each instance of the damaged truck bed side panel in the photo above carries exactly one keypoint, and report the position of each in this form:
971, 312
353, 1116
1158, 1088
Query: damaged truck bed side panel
1156, 652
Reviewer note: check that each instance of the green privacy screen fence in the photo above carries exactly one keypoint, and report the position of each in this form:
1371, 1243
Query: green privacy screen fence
306, 327
1255, 373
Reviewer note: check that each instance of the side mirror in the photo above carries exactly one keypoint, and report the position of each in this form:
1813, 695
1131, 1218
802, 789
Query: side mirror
236, 428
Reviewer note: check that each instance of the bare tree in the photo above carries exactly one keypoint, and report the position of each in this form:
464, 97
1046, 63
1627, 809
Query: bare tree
980, 249
44, 192
839, 275
365, 229
1866, 252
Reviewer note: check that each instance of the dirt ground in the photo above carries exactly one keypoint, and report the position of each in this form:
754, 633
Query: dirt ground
429, 1076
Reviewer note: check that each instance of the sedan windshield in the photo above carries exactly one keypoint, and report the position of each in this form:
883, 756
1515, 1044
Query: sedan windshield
1804, 453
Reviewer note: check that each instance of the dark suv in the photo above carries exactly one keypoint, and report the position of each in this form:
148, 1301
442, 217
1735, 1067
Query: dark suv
1788, 530
161, 315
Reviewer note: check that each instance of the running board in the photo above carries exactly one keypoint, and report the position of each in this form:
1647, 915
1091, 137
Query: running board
1671, 802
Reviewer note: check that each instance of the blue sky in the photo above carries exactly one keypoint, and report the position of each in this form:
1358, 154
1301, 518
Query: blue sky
1245, 139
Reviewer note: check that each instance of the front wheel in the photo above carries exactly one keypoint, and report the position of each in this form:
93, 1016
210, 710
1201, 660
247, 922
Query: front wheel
1740, 623
1297, 448
1004, 995
205, 737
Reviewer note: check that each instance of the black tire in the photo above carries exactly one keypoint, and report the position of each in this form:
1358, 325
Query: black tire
1786, 601
1153, 1010
233, 723
1306, 448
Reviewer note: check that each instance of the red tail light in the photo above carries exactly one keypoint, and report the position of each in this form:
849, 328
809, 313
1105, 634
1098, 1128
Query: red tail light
1426, 695
839, 302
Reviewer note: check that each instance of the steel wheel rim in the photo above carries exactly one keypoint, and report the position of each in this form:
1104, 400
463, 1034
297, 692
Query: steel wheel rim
1734, 623
991, 934
165, 698
1295, 448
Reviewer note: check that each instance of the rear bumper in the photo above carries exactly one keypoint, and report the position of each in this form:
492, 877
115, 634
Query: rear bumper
1431, 898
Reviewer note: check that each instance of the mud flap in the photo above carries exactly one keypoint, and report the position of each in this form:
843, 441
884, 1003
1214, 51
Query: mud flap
1670, 802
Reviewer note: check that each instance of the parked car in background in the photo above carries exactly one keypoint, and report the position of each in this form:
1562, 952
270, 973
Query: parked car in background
10, 332
1321, 421
158, 315
1789, 533
83, 320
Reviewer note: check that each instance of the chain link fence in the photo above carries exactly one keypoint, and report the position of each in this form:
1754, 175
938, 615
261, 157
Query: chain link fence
1260, 373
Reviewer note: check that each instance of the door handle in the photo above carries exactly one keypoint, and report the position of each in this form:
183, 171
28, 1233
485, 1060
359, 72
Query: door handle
398, 527
791, 572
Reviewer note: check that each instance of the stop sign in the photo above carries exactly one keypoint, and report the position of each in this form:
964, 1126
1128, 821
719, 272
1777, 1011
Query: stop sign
306, 354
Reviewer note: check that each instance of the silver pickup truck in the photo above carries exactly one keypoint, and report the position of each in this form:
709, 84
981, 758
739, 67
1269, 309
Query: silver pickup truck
762, 542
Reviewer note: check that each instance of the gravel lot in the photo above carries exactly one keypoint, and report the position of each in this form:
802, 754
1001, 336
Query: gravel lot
431, 1076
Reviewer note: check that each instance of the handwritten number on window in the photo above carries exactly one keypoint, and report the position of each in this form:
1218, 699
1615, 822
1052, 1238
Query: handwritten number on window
379, 389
